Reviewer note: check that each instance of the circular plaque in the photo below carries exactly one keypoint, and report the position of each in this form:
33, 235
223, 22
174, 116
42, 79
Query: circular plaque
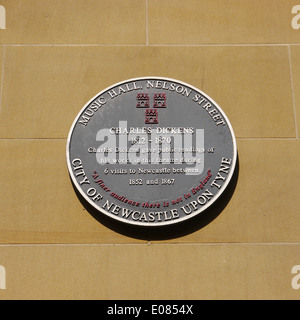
151, 151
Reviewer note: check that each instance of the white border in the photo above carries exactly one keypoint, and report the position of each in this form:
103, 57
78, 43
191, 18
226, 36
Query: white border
154, 224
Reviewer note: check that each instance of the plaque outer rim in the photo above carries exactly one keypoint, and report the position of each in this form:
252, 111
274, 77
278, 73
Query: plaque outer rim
155, 224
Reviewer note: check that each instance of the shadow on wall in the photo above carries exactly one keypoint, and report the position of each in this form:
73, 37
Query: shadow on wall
171, 231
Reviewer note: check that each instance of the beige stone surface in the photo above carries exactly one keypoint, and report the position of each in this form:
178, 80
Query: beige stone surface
198, 271
55, 55
263, 206
74, 22
39, 204
243, 80
295, 63
1, 70
221, 22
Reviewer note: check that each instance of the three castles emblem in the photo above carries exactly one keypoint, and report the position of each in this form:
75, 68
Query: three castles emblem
151, 114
